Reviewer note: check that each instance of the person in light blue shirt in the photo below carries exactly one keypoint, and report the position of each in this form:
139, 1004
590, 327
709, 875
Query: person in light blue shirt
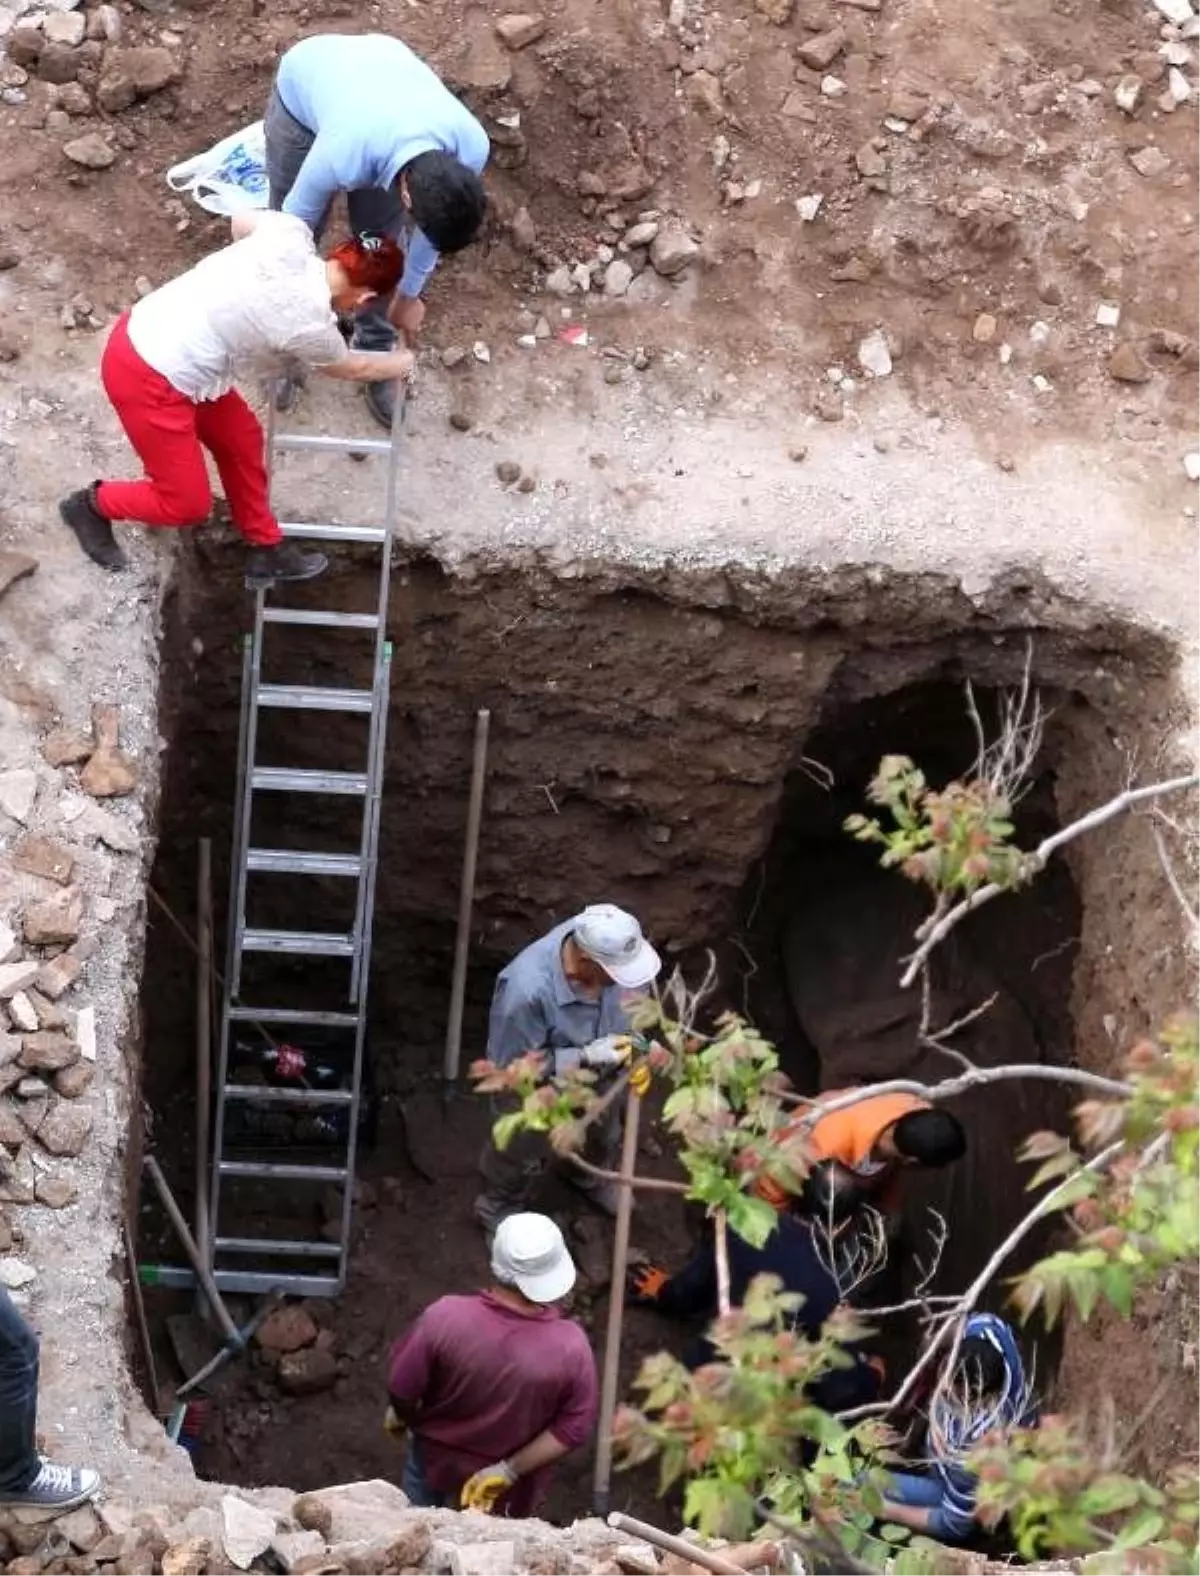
569, 996
366, 116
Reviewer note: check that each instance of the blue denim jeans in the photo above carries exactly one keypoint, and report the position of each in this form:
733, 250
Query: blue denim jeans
19, 1462
929, 1493
413, 1484
371, 208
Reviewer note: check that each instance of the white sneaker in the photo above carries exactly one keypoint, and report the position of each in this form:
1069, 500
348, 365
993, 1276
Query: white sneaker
57, 1488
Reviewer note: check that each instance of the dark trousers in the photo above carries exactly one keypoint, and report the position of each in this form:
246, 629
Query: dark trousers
372, 208
19, 1462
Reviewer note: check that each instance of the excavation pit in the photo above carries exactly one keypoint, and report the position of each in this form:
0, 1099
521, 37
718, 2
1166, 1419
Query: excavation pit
689, 747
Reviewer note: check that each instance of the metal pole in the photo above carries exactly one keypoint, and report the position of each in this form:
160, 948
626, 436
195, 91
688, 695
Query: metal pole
616, 1308
139, 1309
203, 1041
466, 899
707, 1559
229, 1330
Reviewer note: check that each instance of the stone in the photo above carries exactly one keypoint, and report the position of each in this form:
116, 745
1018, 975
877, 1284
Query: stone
10, 948
985, 328
1108, 314
559, 281
46, 1052
246, 1531
618, 277
289, 1548
520, 29
132, 74
73, 1081
833, 87
81, 1528
14, 567
49, 1014
870, 162
308, 1372
74, 99
797, 107
12, 1129
482, 1559
1179, 12
523, 230
777, 11
57, 976
703, 92
351, 1512
110, 772
641, 234
1150, 162
1128, 93
24, 45
636, 1559
1179, 89
109, 829
105, 23
819, 52
508, 472
91, 151
1191, 466
54, 922
22, 1014
874, 356
16, 977
187, 1559
907, 102
18, 790
65, 1129
85, 1033
1127, 366
1036, 97
829, 405
461, 420
65, 27
288, 1329
55, 1193
672, 250
15, 1273
58, 63
38, 856
66, 747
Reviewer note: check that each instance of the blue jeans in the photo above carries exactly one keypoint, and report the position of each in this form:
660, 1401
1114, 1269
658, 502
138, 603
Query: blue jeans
413, 1484
19, 1463
371, 208
923, 1492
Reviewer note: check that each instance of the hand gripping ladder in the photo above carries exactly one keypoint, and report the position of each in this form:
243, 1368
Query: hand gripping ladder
241, 1263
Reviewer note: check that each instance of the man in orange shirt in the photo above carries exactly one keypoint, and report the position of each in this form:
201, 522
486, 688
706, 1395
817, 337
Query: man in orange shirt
875, 1138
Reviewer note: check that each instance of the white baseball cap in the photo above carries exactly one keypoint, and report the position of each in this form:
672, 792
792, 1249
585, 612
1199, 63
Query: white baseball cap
613, 939
528, 1252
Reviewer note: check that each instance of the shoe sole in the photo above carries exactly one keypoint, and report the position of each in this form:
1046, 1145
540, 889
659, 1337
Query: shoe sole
264, 582
56, 1507
112, 564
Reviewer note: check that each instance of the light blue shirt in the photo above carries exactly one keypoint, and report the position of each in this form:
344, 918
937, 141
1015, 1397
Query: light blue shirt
536, 1008
372, 106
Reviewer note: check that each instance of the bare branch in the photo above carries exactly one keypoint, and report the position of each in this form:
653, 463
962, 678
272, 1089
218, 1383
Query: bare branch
850, 1253
1006, 764
721, 1255
1168, 868
935, 930
954, 1322
927, 1268
651, 1184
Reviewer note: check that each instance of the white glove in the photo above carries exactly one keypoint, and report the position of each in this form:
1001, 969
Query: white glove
611, 1050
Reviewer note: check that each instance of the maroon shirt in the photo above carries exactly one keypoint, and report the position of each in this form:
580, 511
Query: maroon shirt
485, 1379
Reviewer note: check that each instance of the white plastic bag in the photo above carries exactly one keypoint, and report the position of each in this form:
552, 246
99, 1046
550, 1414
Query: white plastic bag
230, 178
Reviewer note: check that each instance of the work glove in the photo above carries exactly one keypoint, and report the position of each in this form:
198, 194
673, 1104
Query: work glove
392, 1423
608, 1052
644, 1282
482, 1490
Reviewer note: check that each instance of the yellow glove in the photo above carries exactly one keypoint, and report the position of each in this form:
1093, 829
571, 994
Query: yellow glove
392, 1423
639, 1078
481, 1491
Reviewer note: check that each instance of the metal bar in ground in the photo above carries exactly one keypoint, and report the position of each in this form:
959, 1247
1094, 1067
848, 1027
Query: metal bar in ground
303, 442
176, 1277
272, 1171
277, 1247
267, 1095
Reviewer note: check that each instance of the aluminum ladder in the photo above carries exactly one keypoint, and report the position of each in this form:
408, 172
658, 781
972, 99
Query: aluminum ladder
241, 1263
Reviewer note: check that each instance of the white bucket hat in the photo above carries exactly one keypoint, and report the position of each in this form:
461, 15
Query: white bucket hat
528, 1252
613, 939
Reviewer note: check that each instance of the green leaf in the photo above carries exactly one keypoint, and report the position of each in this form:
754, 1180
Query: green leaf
752, 1218
1144, 1527
507, 1127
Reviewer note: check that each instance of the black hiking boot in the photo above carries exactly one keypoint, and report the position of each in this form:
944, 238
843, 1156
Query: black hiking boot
381, 401
284, 561
93, 532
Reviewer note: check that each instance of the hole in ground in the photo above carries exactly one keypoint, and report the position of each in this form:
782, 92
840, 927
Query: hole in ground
646, 750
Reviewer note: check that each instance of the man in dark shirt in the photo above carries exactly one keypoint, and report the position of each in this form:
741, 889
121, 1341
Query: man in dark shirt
497, 1386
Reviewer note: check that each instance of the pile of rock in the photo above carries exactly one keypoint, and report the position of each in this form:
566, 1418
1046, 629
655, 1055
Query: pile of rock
301, 1351
661, 242
47, 1032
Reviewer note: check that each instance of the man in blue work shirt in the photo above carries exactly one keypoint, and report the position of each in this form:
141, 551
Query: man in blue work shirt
364, 115
567, 995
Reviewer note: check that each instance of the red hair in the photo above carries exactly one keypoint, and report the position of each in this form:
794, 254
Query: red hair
370, 262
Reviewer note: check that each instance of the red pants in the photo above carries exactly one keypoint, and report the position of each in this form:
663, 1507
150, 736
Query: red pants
167, 430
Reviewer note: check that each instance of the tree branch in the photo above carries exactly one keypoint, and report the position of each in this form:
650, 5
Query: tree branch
651, 1184
933, 932
1164, 859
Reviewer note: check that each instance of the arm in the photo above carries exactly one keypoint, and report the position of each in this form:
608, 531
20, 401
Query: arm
318, 183
515, 1025
411, 1369
244, 224
546, 1448
370, 366
918, 1517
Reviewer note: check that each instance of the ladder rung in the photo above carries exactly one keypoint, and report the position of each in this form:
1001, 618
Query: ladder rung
296, 779
267, 1093
302, 943
289, 861
324, 1020
273, 1247
251, 1281
299, 442
314, 697
321, 531
318, 619
270, 1171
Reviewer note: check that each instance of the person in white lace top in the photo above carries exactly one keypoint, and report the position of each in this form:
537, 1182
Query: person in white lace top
256, 308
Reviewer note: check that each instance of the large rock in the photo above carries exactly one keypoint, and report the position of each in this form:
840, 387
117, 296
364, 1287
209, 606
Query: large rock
46, 1052
308, 1372
246, 1531
59, 63
671, 250
91, 151
16, 977
54, 922
132, 74
18, 790
401, 1551
286, 1330
188, 1558
521, 29
819, 52
355, 1512
65, 1128
38, 856
290, 1548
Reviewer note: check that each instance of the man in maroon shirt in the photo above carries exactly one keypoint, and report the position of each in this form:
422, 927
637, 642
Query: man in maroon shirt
496, 1387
